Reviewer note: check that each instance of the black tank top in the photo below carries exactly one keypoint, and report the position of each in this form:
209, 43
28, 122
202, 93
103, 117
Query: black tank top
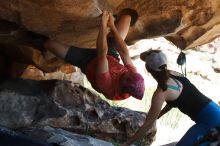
190, 100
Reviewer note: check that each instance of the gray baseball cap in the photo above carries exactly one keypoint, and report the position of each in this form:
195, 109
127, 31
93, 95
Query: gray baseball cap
154, 60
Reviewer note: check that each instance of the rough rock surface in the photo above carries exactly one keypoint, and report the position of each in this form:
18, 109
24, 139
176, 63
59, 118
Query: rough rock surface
216, 58
187, 23
48, 135
60, 104
66, 72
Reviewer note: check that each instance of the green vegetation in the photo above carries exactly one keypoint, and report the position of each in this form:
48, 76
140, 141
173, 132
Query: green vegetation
171, 119
115, 142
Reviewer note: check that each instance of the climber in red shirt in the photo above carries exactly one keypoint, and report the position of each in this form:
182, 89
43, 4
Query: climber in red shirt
101, 65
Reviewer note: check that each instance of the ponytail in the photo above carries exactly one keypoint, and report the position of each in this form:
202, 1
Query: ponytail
161, 76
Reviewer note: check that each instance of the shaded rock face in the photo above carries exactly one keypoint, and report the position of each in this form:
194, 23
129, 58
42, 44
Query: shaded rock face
187, 23
60, 104
47, 136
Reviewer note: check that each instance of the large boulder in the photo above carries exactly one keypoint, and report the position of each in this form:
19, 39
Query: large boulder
61, 104
186, 23
47, 136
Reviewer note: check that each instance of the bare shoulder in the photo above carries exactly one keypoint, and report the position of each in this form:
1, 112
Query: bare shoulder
159, 93
176, 73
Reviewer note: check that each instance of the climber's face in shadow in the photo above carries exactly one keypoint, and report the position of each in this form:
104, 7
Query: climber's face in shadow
133, 84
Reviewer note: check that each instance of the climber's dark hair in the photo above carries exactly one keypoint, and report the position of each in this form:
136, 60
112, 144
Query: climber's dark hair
161, 76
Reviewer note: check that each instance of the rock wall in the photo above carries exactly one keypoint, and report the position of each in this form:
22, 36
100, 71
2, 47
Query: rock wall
47, 136
61, 104
187, 23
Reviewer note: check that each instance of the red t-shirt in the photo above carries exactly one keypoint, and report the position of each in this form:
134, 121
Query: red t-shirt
108, 83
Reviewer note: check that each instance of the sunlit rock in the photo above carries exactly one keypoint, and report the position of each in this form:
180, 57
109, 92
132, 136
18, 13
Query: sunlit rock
187, 23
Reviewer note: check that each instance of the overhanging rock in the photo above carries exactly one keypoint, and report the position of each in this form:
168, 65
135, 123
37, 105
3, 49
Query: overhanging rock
187, 23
